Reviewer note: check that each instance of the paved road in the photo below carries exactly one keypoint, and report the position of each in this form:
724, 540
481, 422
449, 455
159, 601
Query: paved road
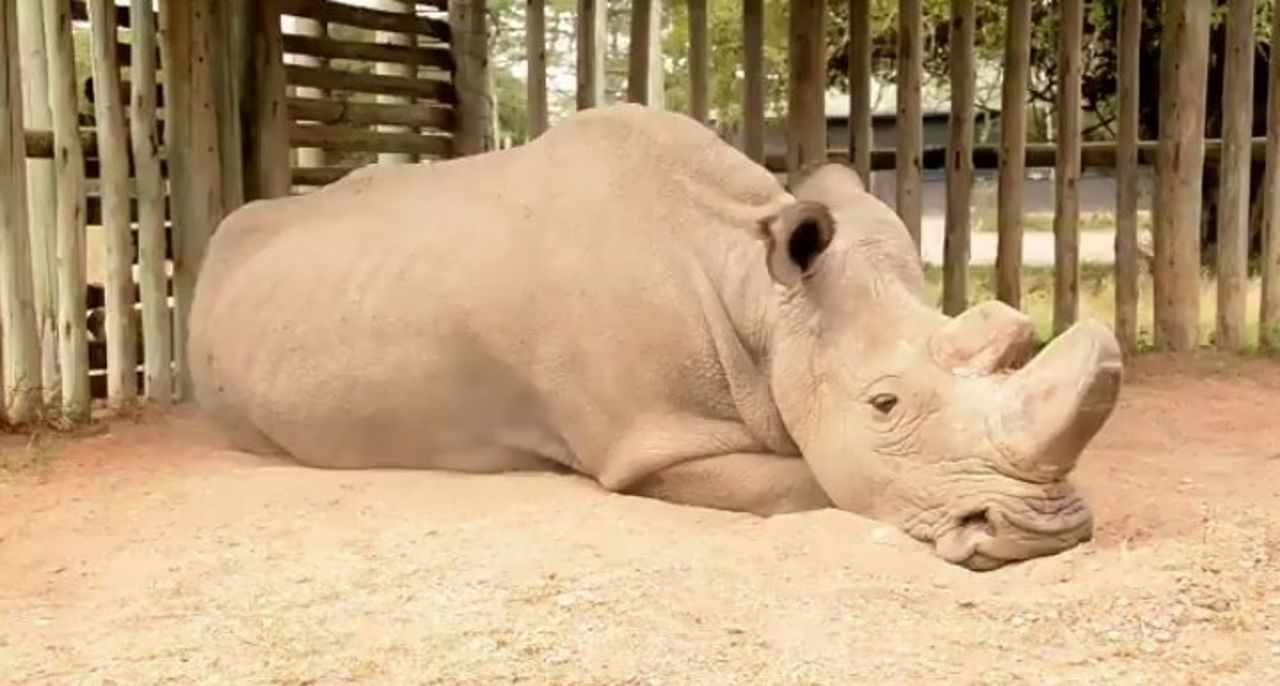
1097, 247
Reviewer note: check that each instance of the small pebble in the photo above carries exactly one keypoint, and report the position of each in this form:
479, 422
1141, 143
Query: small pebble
1114, 635
1162, 636
880, 534
566, 601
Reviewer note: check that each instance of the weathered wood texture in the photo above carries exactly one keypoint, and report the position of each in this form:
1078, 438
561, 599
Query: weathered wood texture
157, 329
1126, 165
591, 45
226, 59
474, 124
394, 69
1183, 77
955, 267
860, 141
639, 60
699, 61
113, 153
806, 121
21, 350
910, 122
370, 18
536, 76
1269, 312
347, 138
429, 57
1013, 151
1066, 211
380, 84
69, 168
418, 116
1233, 193
267, 163
41, 189
310, 28
753, 78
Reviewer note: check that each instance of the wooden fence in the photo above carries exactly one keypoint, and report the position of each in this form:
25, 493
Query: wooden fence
145, 176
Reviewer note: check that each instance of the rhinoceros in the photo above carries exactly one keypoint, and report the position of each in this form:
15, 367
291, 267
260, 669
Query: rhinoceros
630, 298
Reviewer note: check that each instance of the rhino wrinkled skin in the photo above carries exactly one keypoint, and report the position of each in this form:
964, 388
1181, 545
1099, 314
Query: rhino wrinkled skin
630, 298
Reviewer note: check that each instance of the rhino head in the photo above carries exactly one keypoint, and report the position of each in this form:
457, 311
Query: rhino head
947, 428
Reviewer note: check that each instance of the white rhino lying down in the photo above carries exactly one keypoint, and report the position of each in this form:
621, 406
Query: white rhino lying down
631, 298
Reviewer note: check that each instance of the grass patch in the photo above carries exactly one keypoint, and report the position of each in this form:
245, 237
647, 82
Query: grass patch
1097, 299
984, 220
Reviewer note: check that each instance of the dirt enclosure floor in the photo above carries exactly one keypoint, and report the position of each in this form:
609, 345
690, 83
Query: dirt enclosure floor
149, 554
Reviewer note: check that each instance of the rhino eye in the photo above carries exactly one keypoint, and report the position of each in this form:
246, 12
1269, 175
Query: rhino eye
884, 402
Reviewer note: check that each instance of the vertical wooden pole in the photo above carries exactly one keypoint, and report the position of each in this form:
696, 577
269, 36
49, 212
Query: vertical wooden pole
591, 30
1184, 49
1233, 194
753, 79
41, 193
536, 49
1126, 267
223, 49
638, 59
152, 277
657, 72
21, 350
699, 62
1269, 314
860, 141
390, 69
113, 156
1066, 215
910, 122
955, 266
73, 352
267, 165
473, 127
1013, 152
806, 118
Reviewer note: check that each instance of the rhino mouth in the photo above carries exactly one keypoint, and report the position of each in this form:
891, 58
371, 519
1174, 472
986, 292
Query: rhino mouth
999, 533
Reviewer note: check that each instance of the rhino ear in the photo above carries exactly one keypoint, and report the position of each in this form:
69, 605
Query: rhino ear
795, 238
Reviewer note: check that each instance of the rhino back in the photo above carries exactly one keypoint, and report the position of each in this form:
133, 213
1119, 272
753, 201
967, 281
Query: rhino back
538, 301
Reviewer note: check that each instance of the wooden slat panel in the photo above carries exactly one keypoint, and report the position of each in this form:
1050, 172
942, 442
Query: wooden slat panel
860, 88
955, 266
319, 176
342, 138
365, 18
1066, 211
910, 122
753, 78
363, 114
439, 58
1013, 153
1269, 309
1233, 198
806, 123
1126, 164
333, 79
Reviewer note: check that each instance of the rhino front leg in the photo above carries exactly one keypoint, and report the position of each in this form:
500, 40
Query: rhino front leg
744, 482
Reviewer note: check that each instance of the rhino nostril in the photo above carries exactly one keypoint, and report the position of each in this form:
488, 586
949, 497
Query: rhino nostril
977, 521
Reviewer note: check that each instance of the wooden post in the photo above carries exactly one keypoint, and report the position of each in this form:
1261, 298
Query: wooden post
657, 74
638, 58
152, 277
227, 82
1183, 75
591, 31
73, 351
910, 122
41, 193
955, 266
113, 156
1126, 242
699, 62
394, 69
860, 141
473, 129
1233, 194
1013, 151
1066, 215
1269, 314
267, 165
194, 164
806, 120
536, 49
753, 79
21, 350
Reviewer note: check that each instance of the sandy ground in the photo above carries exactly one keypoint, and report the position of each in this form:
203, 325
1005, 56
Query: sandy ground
149, 554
